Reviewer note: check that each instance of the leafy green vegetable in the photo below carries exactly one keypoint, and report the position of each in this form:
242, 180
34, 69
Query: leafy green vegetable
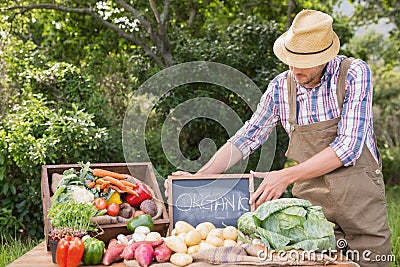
74, 186
84, 170
246, 224
288, 223
76, 216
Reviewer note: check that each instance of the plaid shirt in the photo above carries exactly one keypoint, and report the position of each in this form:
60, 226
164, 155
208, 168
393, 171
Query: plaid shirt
316, 105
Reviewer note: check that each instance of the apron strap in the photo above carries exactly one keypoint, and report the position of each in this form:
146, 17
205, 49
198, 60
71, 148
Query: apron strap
292, 96
341, 84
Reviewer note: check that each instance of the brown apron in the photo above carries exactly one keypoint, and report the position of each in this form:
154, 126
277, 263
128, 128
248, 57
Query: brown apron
351, 197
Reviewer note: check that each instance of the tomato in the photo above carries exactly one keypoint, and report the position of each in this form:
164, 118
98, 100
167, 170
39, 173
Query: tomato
113, 209
100, 203
138, 212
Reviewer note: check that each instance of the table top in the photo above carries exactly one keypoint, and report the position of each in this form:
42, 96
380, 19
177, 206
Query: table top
39, 256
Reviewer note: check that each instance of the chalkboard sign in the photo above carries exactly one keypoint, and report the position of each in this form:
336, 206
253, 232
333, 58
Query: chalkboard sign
220, 199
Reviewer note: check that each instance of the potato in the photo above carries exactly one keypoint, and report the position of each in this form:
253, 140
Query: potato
215, 241
183, 227
193, 249
204, 246
173, 232
192, 238
182, 236
181, 259
218, 232
229, 243
152, 236
204, 228
230, 232
176, 244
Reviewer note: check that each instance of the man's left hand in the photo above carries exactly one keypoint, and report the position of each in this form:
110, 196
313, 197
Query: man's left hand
273, 186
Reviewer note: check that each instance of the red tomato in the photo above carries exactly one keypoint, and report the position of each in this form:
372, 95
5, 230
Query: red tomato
100, 203
113, 209
138, 212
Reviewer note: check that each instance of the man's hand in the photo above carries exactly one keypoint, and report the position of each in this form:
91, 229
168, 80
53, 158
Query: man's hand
273, 186
177, 173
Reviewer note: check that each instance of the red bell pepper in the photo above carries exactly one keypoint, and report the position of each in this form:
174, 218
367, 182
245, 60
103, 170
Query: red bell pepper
69, 251
143, 193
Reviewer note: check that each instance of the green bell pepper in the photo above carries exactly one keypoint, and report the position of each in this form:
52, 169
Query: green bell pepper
94, 250
141, 220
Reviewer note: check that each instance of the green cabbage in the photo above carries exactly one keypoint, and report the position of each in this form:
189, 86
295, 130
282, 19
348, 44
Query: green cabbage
289, 223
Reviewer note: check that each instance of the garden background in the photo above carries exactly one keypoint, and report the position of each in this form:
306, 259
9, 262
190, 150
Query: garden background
68, 70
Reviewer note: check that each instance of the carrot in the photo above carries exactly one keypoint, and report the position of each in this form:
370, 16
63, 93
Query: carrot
104, 173
102, 181
114, 181
90, 184
120, 185
116, 188
123, 190
102, 184
130, 191
126, 183
261, 247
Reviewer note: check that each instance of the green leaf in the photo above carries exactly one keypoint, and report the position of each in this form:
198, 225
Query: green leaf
270, 207
5, 188
275, 240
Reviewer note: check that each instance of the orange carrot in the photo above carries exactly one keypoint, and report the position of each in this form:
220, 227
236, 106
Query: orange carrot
92, 184
261, 247
120, 185
116, 188
126, 183
114, 181
103, 173
103, 186
130, 191
102, 181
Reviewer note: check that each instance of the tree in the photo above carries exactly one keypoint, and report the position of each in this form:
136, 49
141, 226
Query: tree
122, 18
370, 12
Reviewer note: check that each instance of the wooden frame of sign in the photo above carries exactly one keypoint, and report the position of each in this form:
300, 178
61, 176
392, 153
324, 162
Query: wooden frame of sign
217, 198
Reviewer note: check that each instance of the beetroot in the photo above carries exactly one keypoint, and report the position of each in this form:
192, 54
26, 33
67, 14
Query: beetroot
144, 254
113, 252
162, 253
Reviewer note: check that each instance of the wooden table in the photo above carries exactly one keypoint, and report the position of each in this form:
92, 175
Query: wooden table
39, 256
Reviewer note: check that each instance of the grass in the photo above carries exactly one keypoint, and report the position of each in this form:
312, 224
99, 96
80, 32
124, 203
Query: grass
13, 248
393, 210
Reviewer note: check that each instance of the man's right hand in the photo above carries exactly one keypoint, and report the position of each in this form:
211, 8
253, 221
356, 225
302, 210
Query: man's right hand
177, 173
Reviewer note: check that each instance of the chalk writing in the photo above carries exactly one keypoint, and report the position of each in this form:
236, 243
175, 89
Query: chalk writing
232, 202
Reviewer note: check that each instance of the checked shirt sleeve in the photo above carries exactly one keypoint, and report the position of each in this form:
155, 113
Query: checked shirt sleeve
257, 129
356, 118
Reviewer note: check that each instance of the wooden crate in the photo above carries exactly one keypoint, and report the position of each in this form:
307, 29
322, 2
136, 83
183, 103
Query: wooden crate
142, 171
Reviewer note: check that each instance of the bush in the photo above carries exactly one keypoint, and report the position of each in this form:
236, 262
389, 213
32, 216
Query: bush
391, 166
31, 135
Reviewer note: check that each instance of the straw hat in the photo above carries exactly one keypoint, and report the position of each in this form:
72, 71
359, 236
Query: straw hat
309, 42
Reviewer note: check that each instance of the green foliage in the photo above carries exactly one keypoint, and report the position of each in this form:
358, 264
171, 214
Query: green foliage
33, 135
390, 162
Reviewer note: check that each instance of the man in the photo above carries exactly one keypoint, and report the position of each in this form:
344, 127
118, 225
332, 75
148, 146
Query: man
329, 121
